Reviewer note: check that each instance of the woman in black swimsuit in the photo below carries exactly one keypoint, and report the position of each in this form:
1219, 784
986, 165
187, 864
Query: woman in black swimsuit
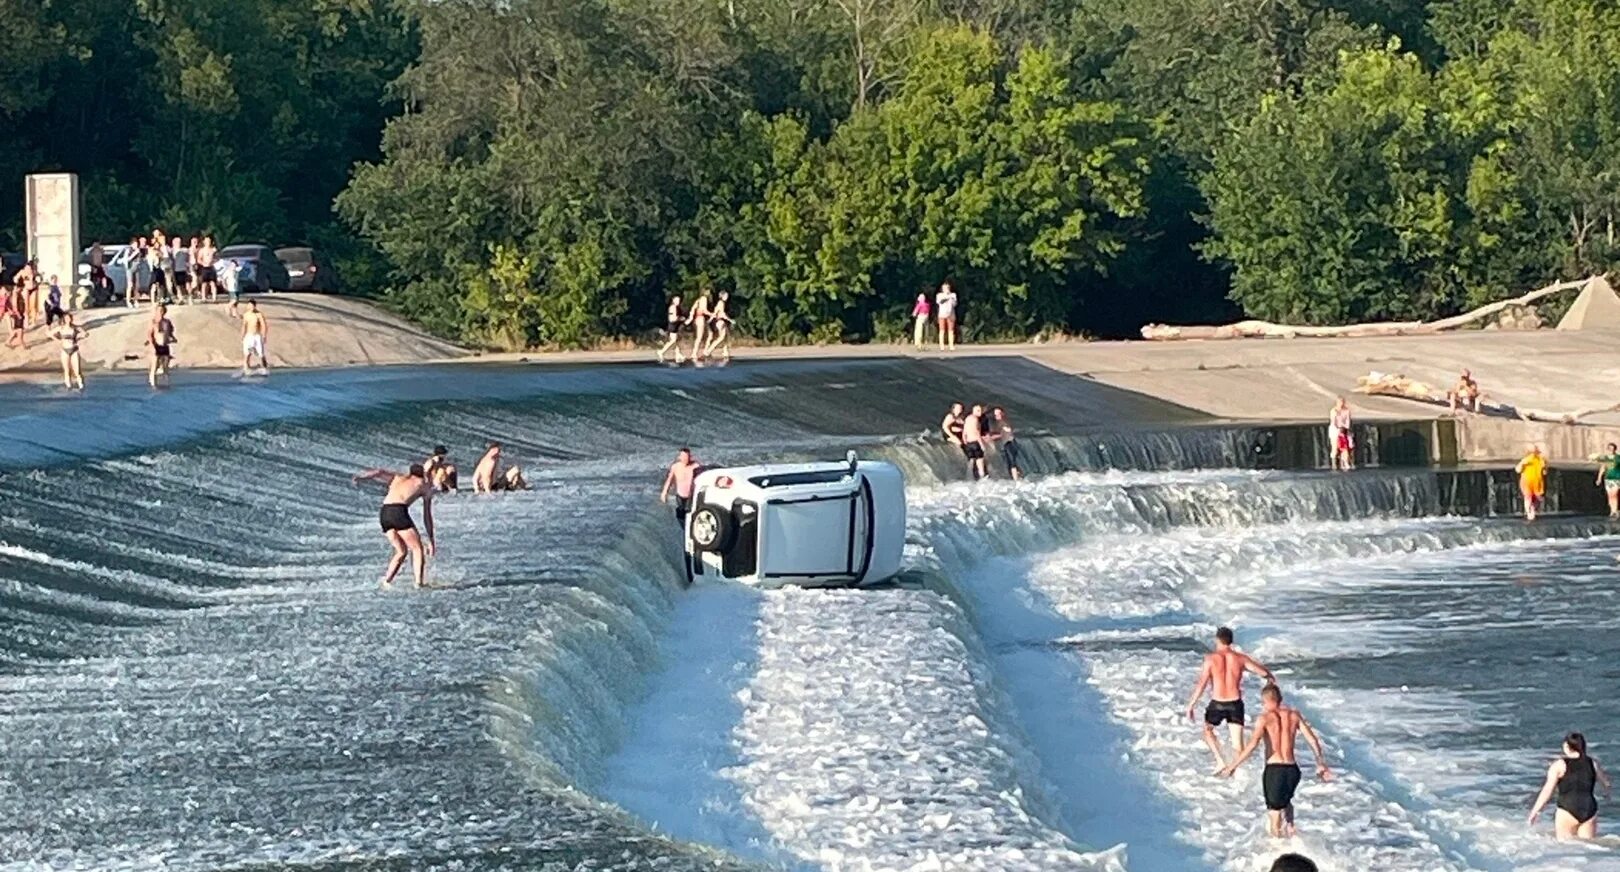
672, 330
1573, 777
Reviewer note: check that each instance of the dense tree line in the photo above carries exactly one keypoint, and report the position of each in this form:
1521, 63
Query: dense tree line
547, 172
239, 117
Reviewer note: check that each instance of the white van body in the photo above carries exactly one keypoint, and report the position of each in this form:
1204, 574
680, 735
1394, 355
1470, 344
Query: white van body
807, 524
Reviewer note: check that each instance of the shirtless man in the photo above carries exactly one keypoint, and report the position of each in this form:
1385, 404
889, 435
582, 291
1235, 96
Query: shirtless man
681, 474
1223, 675
973, 443
1279, 726
207, 279
255, 330
440, 471
485, 474
395, 518
160, 336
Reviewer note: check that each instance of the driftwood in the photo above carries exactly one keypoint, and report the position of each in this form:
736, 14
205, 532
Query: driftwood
1396, 385
1269, 330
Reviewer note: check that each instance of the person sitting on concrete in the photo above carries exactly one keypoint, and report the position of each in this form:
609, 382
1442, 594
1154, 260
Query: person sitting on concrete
1466, 394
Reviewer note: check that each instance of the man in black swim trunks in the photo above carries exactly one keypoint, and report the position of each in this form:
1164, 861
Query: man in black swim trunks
1223, 675
395, 518
682, 473
160, 335
1279, 726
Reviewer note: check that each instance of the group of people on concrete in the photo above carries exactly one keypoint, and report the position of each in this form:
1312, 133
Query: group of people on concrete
420, 483
165, 269
27, 301
711, 324
1572, 777
978, 433
942, 313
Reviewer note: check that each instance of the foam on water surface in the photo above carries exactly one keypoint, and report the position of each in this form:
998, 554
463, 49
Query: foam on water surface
1120, 620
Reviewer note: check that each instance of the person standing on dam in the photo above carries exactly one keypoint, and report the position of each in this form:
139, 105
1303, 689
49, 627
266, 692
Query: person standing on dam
1006, 440
973, 443
919, 313
1532, 470
945, 311
1223, 675
1608, 478
1341, 442
672, 332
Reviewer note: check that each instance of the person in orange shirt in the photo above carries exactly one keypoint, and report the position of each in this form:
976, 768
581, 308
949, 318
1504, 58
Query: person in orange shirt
1532, 470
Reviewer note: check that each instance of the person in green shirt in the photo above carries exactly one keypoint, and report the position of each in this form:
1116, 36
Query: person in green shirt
1608, 475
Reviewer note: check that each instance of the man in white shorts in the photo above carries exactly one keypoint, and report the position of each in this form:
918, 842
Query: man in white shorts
254, 331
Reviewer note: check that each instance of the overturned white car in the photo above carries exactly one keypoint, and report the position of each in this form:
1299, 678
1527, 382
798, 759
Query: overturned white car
808, 524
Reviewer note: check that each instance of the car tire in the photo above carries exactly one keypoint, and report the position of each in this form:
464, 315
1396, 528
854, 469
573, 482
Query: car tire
711, 529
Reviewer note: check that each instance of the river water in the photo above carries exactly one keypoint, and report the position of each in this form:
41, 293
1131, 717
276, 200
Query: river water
200, 673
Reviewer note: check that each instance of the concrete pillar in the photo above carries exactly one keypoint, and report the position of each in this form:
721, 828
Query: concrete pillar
51, 203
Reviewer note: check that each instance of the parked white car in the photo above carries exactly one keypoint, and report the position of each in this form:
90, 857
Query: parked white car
807, 524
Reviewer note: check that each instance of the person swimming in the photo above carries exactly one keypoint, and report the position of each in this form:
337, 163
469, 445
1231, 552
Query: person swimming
1573, 776
395, 519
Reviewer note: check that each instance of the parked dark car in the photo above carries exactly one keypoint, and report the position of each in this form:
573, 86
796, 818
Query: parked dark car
308, 270
258, 269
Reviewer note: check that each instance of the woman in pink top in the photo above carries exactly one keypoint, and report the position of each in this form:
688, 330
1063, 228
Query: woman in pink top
920, 313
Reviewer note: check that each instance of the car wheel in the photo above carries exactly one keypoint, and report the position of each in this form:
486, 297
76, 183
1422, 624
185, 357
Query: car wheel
711, 529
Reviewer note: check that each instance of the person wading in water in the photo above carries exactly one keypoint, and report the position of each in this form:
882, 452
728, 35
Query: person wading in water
1223, 675
1573, 777
1279, 727
395, 518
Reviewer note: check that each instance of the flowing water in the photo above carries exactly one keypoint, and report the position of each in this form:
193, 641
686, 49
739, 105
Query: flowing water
199, 671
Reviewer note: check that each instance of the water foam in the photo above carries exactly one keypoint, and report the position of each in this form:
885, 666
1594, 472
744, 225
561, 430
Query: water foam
1164, 556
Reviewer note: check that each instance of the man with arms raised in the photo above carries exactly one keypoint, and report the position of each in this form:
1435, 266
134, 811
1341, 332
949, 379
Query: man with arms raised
1279, 726
395, 518
1223, 675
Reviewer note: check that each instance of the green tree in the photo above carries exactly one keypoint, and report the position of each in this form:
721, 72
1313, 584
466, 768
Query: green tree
1539, 107
1343, 203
